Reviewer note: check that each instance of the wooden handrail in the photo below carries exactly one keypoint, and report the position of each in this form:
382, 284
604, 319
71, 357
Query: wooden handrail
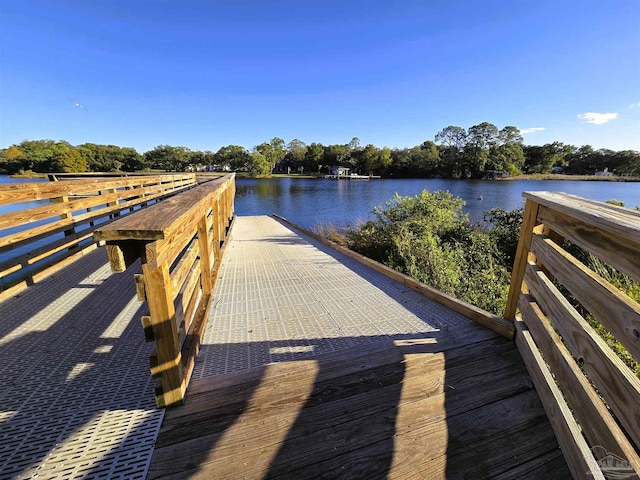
48, 225
179, 242
590, 395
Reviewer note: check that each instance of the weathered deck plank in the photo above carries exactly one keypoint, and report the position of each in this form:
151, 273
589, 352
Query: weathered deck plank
470, 408
314, 366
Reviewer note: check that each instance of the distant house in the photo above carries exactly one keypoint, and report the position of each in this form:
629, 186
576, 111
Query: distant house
219, 168
493, 174
557, 169
340, 171
604, 173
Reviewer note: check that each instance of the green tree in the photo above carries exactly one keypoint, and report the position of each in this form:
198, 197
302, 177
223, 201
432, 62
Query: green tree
131, 160
296, 151
233, 156
452, 136
626, 162
480, 139
507, 154
168, 158
273, 151
367, 159
337, 155
354, 144
11, 160
383, 160
401, 163
583, 161
426, 159
483, 136
452, 141
542, 159
38, 155
314, 157
69, 161
259, 165
109, 158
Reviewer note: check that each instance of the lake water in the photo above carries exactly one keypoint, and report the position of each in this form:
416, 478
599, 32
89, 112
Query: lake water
309, 202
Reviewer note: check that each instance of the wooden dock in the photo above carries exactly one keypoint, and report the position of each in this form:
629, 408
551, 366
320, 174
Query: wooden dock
315, 366
285, 356
312, 366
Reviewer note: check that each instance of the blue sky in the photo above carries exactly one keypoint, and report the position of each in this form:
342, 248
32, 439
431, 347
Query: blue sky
204, 74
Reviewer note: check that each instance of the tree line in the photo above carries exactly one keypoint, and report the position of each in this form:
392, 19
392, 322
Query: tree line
455, 152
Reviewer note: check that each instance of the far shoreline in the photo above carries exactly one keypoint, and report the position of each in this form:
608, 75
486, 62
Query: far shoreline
533, 176
560, 176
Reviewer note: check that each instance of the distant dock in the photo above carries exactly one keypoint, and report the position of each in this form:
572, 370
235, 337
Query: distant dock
352, 176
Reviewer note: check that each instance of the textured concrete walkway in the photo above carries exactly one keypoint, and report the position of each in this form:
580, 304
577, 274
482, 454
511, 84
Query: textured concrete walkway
76, 397
284, 296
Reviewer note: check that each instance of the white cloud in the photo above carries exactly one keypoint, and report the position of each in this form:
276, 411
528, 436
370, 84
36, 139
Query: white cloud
597, 118
634, 105
524, 131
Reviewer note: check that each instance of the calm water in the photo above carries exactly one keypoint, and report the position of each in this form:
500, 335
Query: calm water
309, 202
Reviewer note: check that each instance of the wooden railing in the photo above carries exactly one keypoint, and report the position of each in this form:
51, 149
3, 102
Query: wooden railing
591, 397
179, 242
47, 225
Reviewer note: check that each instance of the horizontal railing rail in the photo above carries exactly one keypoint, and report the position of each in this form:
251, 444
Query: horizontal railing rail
590, 395
45, 226
180, 243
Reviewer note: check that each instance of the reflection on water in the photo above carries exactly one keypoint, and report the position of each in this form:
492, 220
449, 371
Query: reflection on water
309, 202
312, 201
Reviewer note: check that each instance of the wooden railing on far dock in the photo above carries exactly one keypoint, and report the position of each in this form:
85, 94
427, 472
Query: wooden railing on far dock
47, 225
591, 397
179, 242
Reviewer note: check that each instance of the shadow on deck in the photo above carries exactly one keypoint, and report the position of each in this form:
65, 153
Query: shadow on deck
431, 395
76, 399
401, 408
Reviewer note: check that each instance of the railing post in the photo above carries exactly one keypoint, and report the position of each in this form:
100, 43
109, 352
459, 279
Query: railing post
221, 224
66, 216
204, 244
215, 217
179, 298
529, 221
163, 317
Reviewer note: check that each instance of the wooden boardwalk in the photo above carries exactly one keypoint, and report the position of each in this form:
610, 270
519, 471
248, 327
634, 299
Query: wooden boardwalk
315, 366
315, 363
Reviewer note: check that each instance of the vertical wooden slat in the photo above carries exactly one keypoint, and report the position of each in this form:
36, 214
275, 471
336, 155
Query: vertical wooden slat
598, 425
68, 215
112, 204
574, 446
162, 313
218, 226
205, 254
522, 255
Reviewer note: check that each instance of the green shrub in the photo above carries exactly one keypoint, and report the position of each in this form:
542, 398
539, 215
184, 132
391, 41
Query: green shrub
429, 238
